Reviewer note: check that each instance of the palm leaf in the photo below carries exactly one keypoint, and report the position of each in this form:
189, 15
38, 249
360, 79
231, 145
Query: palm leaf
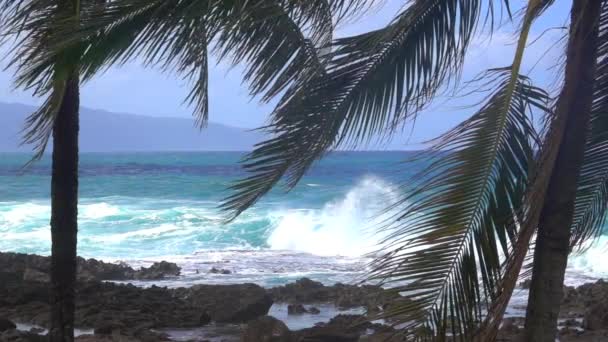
443, 253
31, 24
373, 81
267, 36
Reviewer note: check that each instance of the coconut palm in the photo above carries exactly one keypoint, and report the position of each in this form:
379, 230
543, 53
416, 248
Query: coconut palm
57, 116
493, 183
63, 42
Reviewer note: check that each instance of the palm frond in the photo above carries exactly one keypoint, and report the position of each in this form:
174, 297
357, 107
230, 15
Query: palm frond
443, 253
592, 190
270, 40
276, 40
32, 24
372, 83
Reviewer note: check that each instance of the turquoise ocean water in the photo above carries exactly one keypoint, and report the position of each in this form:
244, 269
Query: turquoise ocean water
144, 207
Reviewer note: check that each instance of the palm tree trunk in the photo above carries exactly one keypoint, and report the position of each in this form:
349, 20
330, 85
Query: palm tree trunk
553, 239
64, 213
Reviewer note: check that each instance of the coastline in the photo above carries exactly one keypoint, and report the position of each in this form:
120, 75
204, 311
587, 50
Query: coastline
108, 307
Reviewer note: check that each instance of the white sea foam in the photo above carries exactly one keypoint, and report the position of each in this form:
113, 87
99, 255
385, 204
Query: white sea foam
98, 210
14, 214
592, 261
343, 227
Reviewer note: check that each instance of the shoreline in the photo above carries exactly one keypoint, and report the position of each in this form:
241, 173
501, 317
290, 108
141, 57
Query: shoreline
107, 305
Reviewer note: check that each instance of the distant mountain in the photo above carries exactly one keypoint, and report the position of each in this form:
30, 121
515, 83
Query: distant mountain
102, 131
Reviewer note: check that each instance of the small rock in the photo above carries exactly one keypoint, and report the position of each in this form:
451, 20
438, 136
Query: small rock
219, 271
296, 309
313, 310
5, 324
299, 309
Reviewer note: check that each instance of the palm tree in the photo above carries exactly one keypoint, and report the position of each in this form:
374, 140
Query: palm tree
57, 116
494, 181
63, 42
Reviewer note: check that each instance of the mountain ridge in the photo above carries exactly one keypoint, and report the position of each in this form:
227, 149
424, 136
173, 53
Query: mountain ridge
106, 131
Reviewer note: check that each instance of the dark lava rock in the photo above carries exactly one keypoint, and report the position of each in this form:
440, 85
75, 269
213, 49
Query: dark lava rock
313, 310
36, 268
510, 329
299, 309
228, 303
342, 328
5, 325
158, 270
583, 300
108, 328
15, 335
30, 274
267, 329
306, 291
219, 271
596, 316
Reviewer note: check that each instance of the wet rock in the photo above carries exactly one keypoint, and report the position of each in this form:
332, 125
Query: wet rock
219, 271
306, 291
596, 316
5, 325
296, 309
267, 329
15, 335
579, 302
158, 270
228, 303
314, 311
36, 268
299, 309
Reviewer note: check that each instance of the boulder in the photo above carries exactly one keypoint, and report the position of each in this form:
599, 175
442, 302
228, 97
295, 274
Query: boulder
228, 303
5, 325
296, 309
266, 329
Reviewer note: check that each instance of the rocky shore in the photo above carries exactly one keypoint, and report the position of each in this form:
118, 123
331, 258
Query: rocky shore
112, 311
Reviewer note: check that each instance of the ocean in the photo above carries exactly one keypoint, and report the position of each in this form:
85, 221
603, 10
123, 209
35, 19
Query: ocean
146, 207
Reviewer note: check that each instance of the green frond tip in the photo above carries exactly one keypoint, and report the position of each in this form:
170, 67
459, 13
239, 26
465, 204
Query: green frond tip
445, 248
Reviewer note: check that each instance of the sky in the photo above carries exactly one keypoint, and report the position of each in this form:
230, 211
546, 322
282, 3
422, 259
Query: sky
135, 89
